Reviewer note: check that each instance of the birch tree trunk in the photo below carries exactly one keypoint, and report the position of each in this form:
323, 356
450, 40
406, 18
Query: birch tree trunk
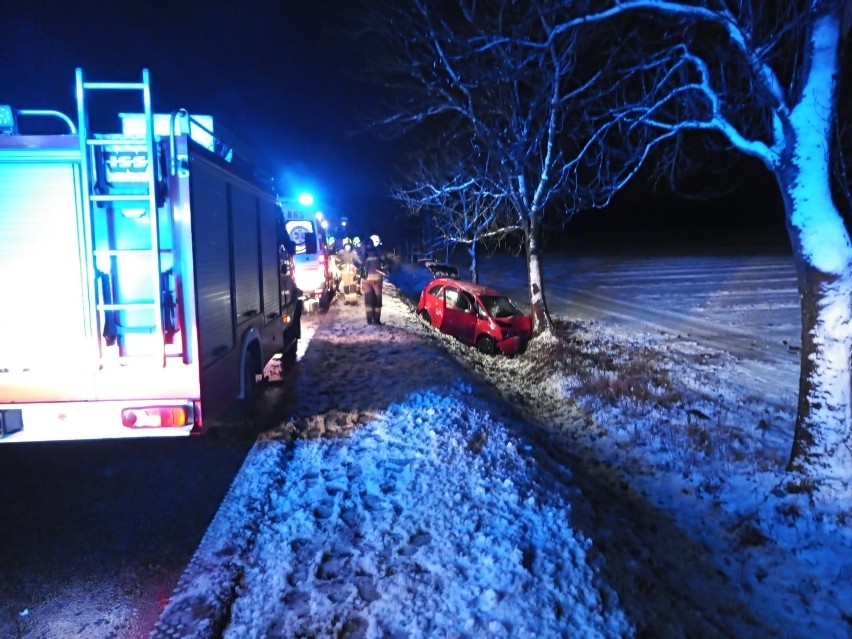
822, 444
474, 268
538, 303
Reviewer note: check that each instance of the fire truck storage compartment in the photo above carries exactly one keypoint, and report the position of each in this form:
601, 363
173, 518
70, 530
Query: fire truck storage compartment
270, 220
211, 238
41, 270
236, 257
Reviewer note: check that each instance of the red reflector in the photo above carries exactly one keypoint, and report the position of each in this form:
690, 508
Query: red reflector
155, 416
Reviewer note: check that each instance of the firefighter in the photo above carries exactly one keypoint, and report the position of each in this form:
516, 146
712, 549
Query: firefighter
345, 261
346, 255
372, 266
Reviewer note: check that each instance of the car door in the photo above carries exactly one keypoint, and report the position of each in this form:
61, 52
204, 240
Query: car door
433, 304
459, 314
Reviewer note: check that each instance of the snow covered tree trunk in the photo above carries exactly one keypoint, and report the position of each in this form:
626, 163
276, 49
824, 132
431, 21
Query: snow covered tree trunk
541, 316
822, 446
474, 272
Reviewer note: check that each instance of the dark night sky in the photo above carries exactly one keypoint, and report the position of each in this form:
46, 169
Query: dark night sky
279, 75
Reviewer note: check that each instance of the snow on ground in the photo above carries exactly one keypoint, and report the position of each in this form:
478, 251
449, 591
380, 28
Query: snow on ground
398, 500
699, 435
605, 483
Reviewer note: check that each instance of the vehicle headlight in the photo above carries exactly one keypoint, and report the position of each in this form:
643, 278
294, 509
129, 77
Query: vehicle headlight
309, 280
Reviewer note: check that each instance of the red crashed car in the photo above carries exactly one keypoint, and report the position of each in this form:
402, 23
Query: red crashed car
476, 315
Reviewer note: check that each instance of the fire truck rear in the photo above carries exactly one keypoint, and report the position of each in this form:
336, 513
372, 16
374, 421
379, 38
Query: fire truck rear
143, 279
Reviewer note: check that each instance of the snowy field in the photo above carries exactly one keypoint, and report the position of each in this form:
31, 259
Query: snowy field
617, 480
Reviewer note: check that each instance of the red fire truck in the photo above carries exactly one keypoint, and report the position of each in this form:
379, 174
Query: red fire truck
143, 277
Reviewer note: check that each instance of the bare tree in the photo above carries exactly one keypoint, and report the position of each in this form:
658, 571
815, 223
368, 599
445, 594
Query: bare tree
454, 196
759, 79
468, 70
577, 96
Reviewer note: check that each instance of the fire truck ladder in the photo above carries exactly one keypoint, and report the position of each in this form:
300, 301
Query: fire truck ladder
126, 262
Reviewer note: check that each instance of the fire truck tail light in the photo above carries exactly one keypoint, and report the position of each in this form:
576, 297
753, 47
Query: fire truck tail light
157, 416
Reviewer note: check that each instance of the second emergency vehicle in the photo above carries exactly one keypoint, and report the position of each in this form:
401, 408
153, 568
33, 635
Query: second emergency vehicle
314, 274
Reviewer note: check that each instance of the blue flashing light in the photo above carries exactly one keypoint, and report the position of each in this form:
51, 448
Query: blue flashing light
306, 199
8, 125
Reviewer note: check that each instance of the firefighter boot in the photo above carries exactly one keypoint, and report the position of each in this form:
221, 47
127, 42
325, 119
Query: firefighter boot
369, 316
377, 315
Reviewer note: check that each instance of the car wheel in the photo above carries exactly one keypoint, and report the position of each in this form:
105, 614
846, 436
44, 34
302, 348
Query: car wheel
424, 315
486, 345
